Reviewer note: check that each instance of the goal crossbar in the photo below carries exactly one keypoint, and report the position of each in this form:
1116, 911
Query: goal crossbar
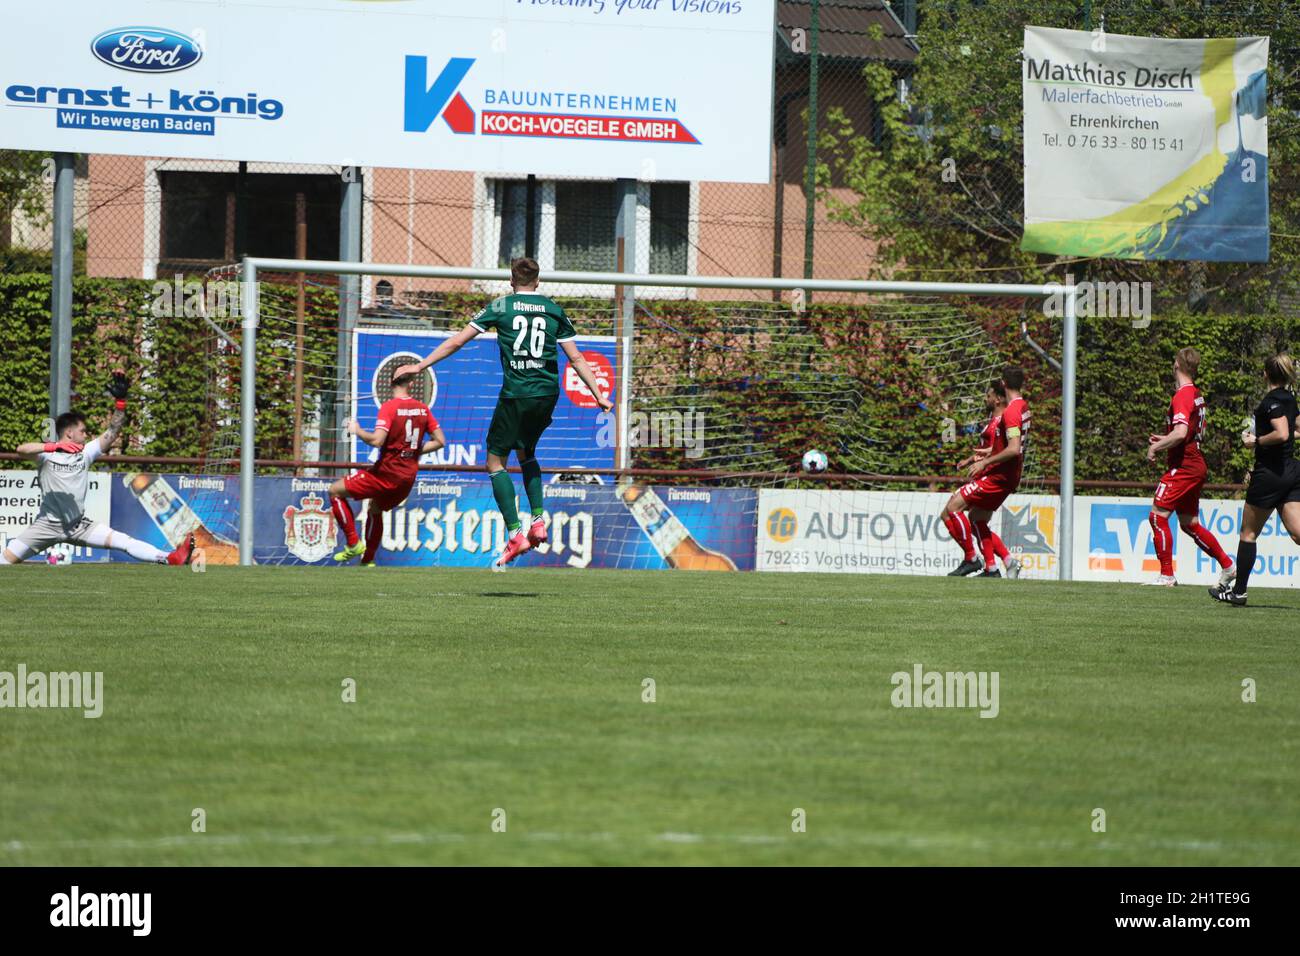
252, 266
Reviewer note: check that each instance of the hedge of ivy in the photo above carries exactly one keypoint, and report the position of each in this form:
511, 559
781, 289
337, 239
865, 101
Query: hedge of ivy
766, 388
168, 358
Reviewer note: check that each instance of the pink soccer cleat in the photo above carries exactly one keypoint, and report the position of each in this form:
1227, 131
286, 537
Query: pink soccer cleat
516, 546
537, 533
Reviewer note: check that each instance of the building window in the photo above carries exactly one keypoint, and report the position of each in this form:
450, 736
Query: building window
670, 217
585, 217
573, 225
194, 213
510, 198
214, 218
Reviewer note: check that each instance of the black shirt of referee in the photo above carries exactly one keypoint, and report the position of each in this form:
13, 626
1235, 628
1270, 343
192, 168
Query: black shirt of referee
1276, 477
1279, 403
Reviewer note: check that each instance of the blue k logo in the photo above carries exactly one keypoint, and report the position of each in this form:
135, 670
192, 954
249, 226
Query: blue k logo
424, 103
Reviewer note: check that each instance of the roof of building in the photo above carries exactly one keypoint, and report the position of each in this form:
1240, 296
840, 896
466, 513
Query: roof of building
846, 28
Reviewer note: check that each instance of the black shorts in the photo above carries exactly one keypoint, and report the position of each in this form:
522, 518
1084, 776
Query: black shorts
518, 423
1270, 489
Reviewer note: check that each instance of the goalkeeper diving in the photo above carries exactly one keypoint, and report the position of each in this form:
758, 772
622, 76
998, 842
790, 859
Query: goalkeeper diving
64, 478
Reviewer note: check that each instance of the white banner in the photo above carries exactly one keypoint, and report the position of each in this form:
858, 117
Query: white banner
887, 532
1113, 543
883, 532
1143, 148
645, 89
20, 500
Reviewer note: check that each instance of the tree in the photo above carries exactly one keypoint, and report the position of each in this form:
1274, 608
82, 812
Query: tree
23, 187
943, 191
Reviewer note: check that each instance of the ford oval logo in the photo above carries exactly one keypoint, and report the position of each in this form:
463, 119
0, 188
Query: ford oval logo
146, 49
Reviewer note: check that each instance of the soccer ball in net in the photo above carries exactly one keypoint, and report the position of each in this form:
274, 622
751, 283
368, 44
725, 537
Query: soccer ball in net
814, 462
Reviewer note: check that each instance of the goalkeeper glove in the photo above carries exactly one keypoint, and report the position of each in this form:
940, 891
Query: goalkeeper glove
118, 388
69, 447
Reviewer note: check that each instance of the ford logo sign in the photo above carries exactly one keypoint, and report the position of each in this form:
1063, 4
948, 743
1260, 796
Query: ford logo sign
146, 49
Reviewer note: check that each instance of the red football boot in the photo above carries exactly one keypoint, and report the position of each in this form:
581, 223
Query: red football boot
184, 553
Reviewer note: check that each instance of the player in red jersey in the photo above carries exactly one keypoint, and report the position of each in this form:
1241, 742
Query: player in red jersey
991, 546
399, 433
1180, 488
995, 474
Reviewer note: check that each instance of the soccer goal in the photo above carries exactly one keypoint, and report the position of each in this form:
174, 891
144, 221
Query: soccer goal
722, 386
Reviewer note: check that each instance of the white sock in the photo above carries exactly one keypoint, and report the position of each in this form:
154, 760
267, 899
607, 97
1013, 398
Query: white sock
141, 550
102, 536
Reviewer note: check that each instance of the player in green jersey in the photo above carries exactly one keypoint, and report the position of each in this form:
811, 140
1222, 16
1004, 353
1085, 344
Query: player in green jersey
529, 327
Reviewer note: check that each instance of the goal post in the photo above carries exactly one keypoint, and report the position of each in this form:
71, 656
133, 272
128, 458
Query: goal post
253, 268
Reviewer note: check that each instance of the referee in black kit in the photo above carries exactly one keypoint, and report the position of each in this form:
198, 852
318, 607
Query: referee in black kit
1275, 479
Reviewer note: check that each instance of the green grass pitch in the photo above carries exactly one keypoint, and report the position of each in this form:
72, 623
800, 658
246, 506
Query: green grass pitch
523, 691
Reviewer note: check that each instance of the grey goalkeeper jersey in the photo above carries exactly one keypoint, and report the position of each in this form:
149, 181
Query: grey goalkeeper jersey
64, 481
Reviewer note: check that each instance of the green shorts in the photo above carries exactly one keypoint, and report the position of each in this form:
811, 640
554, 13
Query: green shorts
518, 423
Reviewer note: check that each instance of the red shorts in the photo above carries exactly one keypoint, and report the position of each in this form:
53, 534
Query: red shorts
1180, 490
987, 492
385, 491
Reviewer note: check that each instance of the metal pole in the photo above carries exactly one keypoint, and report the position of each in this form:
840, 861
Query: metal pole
61, 287
810, 170
1038, 349
563, 276
247, 412
241, 210
620, 434
300, 225
780, 133
625, 236
349, 302
778, 216
1069, 365
530, 221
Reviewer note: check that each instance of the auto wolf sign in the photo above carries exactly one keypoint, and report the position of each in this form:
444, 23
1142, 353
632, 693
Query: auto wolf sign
526, 86
1029, 532
1141, 148
890, 532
